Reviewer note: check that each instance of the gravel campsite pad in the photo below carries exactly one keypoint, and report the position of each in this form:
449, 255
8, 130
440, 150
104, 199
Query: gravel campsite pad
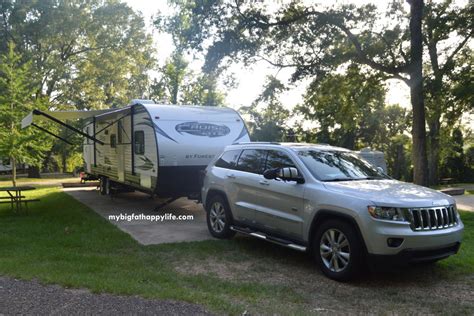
33, 298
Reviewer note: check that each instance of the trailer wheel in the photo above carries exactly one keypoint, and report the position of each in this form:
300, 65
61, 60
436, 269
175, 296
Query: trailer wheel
104, 186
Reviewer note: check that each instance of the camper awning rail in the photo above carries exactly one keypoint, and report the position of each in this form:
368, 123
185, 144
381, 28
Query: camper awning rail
60, 117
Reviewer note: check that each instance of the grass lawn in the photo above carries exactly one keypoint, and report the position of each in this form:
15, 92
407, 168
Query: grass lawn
5, 181
62, 241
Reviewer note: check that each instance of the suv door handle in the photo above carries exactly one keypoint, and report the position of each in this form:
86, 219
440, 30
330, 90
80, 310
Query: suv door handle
264, 182
230, 176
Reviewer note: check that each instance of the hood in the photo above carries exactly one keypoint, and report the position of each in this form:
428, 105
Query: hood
391, 193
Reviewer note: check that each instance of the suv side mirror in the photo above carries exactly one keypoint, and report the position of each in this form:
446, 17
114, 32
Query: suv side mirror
271, 174
285, 174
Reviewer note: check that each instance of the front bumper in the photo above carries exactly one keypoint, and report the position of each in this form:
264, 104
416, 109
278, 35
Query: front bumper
376, 234
416, 255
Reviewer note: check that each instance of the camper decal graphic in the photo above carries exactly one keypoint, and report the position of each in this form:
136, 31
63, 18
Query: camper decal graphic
243, 132
202, 129
148, 122
147, 164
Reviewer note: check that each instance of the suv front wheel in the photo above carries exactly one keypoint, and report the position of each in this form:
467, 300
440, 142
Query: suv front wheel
219, 218
338, 250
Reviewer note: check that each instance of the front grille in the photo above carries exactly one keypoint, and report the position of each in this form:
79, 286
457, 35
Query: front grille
434, 218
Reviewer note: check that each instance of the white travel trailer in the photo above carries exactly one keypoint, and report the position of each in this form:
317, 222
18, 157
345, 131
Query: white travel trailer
158, 149
5, 166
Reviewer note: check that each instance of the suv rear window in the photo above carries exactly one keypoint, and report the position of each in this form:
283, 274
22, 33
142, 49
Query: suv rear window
228, 159
278, 159
251, 160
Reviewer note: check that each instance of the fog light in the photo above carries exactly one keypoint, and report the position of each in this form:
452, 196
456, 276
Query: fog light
394, 242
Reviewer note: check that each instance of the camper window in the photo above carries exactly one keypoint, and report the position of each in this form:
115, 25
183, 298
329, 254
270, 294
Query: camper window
113, 141
139, 142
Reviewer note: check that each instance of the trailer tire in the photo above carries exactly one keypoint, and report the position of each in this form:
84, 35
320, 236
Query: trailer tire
104, 186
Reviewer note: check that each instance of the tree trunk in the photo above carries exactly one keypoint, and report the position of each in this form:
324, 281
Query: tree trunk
419, 156
13, 163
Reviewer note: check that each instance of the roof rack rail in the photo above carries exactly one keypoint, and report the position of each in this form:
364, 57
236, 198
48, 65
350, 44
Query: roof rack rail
256, 143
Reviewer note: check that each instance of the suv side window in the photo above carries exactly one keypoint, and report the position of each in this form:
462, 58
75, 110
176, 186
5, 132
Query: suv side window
278, 159
228, 159
251, 160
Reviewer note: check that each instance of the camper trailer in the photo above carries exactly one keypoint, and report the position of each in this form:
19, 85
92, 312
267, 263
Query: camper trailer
154, 148
5, 167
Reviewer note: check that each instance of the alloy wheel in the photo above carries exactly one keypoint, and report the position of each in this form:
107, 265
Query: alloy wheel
335, 250
217, 217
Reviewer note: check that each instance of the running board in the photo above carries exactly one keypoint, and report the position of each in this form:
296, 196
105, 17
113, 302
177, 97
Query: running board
275, 240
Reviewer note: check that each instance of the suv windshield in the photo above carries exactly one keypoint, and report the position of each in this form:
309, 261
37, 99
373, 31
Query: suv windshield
338, 166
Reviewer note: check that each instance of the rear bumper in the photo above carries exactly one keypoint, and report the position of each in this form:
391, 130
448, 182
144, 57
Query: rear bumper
417, 255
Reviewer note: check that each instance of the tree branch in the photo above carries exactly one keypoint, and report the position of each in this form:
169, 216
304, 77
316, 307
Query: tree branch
362, 55
450, 58
393, 70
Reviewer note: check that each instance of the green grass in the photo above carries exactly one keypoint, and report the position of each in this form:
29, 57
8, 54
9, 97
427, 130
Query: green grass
5, 181
463, 263
62, 241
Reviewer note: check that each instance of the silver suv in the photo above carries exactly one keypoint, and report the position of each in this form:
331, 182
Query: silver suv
328, 201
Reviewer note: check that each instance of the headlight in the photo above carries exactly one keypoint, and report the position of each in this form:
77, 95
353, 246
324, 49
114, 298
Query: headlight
387, 213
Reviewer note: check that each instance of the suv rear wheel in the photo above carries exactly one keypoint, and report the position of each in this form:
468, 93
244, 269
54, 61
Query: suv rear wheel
219, 218
338, 250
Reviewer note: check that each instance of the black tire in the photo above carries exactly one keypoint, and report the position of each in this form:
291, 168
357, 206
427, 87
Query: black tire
219, 206
104, 186
333, 260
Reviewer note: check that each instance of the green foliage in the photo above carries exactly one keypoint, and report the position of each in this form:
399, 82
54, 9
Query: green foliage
203, 90
16, 100
82, 55
397, 156
177, 84
267, 116
452, 158
347, 108
173, 74
314, 39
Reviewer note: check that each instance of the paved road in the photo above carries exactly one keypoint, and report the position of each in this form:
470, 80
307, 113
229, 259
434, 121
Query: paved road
465, 202
144, 231
33, 298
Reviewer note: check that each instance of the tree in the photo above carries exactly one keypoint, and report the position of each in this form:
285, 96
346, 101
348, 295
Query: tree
453, 160
171, 81
84, 54
64, 39
449, 72
312, 41
267, 116
177, 84
347, 108
16, 100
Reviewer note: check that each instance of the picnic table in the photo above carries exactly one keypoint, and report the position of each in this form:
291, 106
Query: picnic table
16, 197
